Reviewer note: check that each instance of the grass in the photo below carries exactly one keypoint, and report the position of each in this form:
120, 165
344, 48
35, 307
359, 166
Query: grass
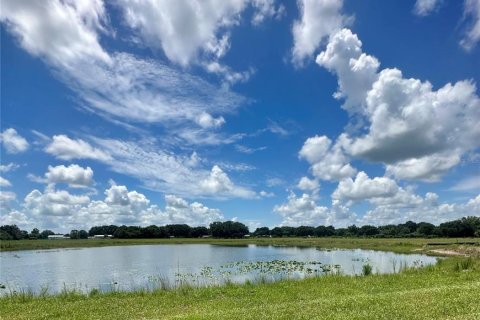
443, 291
399, 245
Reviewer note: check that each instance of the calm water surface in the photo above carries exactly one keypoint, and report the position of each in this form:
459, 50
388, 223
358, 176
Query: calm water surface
143, 266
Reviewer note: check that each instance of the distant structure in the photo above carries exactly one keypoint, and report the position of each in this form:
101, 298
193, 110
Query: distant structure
57, 237
102, 236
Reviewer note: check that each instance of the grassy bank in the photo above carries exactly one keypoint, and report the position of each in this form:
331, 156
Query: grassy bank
403, 245
449, 290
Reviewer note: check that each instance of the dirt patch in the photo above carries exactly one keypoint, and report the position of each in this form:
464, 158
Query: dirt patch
460, 251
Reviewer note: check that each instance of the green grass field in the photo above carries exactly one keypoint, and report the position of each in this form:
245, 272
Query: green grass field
448, 290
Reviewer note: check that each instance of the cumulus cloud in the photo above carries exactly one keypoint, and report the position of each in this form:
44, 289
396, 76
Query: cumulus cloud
319, 19
62, 147
328, 162
426, 208
61, 209
307, 184
218, 183
73, 175
304, 210
426, 7
418, 132
13, 142
301, 211
362, 187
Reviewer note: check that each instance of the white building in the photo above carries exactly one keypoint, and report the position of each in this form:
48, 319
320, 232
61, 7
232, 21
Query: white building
57, 237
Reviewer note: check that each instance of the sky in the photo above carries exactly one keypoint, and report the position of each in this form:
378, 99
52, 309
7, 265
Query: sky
267, 112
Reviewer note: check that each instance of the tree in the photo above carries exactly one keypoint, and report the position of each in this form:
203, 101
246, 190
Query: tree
34, 234
74, 234
45, 233
322, 231
368, 231
13, 232
261, 232
228, 229
304, 231
179, 230
198, 232
82, 234
425, 229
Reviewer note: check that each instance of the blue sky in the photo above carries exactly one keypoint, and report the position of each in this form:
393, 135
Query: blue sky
268, 112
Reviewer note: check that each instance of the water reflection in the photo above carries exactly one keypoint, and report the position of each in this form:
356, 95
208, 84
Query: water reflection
148, 266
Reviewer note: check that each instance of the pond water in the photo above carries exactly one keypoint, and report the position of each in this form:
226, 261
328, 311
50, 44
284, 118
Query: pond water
153, 266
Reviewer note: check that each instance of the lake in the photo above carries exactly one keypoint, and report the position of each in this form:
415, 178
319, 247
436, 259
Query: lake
153, 266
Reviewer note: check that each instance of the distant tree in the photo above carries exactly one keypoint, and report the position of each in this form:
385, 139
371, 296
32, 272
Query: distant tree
352, 230
179, 230
198, 232
228, 229
276, 232
45, 233
304, 231
102, 230
368, 231
322, 231
74, 234
82, 234
425, 229
34, 234
261, 232
13, 232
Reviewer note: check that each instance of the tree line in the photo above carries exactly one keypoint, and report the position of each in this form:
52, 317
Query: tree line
464, 227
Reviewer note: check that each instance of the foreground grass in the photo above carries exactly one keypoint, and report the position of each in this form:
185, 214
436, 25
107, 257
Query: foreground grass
449, 290
400, 245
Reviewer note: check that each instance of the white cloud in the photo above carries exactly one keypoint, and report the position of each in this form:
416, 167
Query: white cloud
266, 9
13, 142
60, 31
306, 184
248, 150
9, 167
423, 209
53, 203
114, 85
188, 31
419, 132
319, 19
218, 183
426, 7
328, 162
162, 170
62, 147
302, 211
274, 182
4, 182
207, 121
468, 184
73, 175
180, 28
365, 188
63, 210
472, 35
